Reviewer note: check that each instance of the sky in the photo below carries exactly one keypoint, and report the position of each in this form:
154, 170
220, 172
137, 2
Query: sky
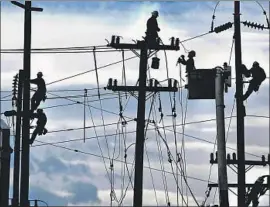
73, 172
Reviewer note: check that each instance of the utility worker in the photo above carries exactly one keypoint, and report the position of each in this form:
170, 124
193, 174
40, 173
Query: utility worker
257, 190
41, 122
190, 62
258, 76
152, 28
40, 94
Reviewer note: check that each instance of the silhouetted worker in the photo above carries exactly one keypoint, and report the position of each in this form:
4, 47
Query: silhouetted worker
41, 122
258, 76
190, 62
152, 28
40, 94
257, 190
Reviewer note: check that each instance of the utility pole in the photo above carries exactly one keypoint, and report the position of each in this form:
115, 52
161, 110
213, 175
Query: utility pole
240, 108
26, 107
142, 89
17, 155
221, 144
26, 100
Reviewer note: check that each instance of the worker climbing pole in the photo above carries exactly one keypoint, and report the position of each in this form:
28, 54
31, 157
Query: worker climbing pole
40, 94
41, 122
258, 76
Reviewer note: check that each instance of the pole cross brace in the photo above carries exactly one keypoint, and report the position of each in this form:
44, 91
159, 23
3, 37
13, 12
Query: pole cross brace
140, 45
37, 9
234, 185
147, 88
234, 161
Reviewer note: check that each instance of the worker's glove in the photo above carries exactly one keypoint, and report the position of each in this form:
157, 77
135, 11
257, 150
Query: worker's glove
45, 97
45, 131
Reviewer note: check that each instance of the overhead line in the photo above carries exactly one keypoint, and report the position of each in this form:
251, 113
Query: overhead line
92, 70
117, 160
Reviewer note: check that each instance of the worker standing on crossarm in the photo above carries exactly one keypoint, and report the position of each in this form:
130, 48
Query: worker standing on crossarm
41, 122
258, 76
189, 63
152, 28
40, 94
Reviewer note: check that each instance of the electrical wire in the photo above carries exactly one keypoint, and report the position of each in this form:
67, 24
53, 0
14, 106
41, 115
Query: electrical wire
92, 70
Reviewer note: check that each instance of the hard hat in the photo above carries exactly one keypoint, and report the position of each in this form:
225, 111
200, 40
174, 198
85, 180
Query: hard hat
193, 53
255, 63
39, 74
39, 110
155, 13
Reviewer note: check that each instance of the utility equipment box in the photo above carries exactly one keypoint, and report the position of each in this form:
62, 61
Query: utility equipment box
201, 84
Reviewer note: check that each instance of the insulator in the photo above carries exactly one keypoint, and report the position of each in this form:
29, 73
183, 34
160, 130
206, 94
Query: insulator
211, 157
234, 156
263, 158
156, 83
175, 83
117, 40
253, 25
151, 82
223, 27
155, 63
170, 83
177, 41
110, 82
115, 82
158, 41
10, 113
172, 41
113, 39
228, 157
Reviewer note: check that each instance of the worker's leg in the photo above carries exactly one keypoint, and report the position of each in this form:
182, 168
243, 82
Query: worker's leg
33, 137
33, 102
38, 99
249, 91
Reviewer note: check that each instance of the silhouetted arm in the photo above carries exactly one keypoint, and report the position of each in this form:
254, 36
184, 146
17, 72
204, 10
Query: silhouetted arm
34, 81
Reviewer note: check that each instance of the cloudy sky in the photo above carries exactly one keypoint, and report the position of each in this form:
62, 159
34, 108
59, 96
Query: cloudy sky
74, 172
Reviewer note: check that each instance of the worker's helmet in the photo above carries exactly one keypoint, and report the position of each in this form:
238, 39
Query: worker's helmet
155, 13
255, 64
39, 111
39, 74
192, 53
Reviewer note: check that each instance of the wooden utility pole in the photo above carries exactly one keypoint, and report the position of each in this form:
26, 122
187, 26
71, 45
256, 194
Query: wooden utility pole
26, 100
26, 107
17, 145
240, 108
142, 89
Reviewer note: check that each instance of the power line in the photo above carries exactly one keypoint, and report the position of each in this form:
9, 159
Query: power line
92, 70
107, 158
61, 52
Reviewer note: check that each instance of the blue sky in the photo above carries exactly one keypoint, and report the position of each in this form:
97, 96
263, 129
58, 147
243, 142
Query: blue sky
62, 176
